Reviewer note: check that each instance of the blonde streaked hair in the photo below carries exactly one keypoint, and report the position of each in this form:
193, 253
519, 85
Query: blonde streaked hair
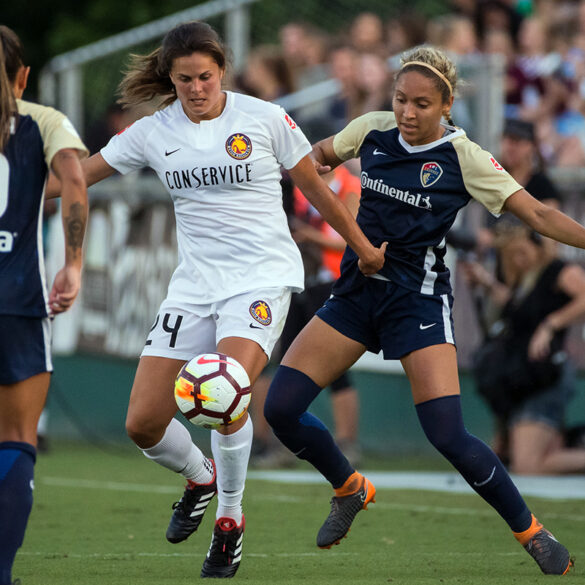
434, 64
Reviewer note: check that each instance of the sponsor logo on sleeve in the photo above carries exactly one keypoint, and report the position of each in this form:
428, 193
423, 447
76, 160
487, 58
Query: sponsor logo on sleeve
496, 164
290, 121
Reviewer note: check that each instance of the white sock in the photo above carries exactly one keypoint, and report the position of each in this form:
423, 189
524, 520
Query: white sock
231, 454
176, 452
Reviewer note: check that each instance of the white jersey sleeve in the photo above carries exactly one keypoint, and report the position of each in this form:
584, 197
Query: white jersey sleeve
289, 142
126, 151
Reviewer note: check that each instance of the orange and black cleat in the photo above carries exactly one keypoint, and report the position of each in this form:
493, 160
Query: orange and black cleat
354, 495
550, 555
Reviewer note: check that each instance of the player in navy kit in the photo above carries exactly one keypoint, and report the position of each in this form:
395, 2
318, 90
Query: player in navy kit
416, 173
33, 138
218, 154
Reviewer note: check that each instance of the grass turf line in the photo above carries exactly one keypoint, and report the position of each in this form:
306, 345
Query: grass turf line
80, 536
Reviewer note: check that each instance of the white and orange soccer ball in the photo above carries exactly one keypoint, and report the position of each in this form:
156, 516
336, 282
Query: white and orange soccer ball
212, 389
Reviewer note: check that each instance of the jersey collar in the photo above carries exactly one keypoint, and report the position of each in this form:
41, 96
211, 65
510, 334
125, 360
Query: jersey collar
452, 132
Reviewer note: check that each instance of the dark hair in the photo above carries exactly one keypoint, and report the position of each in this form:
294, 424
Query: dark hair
148, 76
11, 60
519, 129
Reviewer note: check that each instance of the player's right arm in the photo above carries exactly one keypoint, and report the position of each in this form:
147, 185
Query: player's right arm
74, 208
94, 168
324, 157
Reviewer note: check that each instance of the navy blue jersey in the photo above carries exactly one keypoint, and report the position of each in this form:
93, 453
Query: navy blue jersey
38, 133
411, 196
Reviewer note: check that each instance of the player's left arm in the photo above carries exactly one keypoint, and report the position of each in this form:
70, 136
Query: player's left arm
546, 220
336, 214
74, 209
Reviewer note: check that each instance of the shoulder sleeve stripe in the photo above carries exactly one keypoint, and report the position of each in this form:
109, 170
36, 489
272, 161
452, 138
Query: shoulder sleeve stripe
348, 142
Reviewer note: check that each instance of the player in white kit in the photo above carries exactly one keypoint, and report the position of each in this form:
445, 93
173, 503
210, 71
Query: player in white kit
219, 155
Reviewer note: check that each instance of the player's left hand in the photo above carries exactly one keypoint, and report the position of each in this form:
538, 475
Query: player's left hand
373, 263
65, 289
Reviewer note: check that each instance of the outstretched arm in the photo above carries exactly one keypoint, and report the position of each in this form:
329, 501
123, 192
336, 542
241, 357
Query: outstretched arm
545, 220
336, 214
67, 168
94, 168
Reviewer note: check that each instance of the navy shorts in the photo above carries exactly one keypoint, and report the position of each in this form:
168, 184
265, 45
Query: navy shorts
384, 316
25, 347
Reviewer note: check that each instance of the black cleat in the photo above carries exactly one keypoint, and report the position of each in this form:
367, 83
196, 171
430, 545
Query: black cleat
343, 511
551, 556
225, 552
189, 510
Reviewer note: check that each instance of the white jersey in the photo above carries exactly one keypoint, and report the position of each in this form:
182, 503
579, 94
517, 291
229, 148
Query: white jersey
223, 176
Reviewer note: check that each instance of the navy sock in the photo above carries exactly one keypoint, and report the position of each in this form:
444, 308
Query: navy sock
285, 409
16, 482
442, 422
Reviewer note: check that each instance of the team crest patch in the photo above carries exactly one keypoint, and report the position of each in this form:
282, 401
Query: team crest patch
261, 312
238, 146
430, 173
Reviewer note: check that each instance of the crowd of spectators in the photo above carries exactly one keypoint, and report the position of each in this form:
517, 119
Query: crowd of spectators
541, 42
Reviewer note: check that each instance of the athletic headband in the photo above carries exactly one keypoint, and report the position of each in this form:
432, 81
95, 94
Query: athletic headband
434, 70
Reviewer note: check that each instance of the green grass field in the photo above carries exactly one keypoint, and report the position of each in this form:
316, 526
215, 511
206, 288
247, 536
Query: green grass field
99, 518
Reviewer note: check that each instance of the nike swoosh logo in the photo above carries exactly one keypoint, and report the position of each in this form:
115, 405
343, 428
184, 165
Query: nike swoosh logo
255, 326
203, 360
423, 327
168, 153
377, 152
479, 484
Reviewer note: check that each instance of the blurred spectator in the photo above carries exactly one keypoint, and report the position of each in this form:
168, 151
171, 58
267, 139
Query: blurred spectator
528, 70
521, 157
453, 33
374, 84
304, 47
115, 120
267, 75
496, 15
404, 32
522, 369
366, 34
343, 62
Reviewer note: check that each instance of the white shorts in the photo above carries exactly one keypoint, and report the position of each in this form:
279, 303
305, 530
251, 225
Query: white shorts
182, 331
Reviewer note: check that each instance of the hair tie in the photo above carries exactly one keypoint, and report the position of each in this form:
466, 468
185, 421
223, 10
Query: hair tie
434, 70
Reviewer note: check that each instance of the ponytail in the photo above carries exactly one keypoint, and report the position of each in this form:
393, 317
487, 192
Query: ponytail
11, 61
7, 103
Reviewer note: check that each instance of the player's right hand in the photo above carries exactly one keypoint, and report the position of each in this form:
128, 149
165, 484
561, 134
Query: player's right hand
65, 289
373, 262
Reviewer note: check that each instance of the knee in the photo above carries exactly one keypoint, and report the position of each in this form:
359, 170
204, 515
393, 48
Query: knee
143, 434
275, 411
289, 396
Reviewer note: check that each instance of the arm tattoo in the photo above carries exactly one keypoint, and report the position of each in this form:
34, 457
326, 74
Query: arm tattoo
75, 226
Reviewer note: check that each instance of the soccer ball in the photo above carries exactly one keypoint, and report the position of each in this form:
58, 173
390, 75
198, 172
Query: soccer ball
212, 389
